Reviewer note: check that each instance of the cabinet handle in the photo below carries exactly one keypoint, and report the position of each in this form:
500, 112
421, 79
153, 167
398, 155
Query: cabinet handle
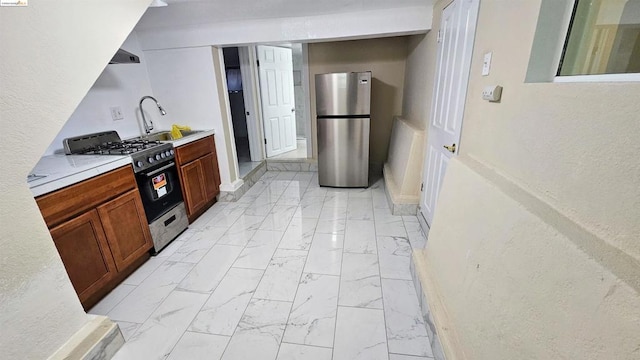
158, 170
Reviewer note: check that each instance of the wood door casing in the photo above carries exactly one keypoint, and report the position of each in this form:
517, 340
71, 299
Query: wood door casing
126, 228
83, 247
192, 176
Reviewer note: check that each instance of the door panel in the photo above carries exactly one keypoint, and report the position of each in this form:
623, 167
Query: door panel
275, 139
455, 46
278, 105
125, 225
289, 124
209, 170
193, 182
83, 247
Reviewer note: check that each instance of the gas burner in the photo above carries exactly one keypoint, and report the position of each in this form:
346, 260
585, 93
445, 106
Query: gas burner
106, 143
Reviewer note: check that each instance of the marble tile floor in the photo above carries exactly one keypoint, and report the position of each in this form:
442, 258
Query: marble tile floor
290, 271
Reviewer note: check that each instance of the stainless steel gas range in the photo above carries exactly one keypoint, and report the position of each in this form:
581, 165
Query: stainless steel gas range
156, 174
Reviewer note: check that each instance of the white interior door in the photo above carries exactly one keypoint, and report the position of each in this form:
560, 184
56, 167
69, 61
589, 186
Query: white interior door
455, 45
278, 107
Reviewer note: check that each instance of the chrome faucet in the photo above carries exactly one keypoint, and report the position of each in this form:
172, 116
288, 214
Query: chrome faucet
149, 126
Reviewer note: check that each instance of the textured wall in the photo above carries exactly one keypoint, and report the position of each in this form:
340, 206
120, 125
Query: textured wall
521, 281
418, 80
386, 58
52, 52
575, 145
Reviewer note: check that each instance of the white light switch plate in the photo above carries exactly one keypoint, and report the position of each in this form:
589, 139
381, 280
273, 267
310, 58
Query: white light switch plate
486, 64
116, 113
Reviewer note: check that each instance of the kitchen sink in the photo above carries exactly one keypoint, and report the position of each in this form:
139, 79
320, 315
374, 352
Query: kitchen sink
159, 136
166, 135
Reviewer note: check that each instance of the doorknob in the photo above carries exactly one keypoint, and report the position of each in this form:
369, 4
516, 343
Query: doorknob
451, 148
293, 110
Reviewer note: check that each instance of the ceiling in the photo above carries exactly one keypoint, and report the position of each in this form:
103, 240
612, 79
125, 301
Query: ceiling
195, 12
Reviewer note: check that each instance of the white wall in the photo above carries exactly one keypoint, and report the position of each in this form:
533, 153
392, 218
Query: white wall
51, 54
328, 27
300, 92
120, 85
418, 81
184, 81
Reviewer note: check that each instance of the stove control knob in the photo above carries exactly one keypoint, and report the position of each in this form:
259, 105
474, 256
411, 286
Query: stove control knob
150, 160
139, 163
171, 152
157, 156
167, 153
163, 155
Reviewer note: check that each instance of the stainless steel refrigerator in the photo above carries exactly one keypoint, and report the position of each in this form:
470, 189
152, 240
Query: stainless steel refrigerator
343, 116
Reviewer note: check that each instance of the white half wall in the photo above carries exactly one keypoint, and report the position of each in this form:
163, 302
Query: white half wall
120, 85
403, 169
51, 54
328, 27
184, 82
509, 277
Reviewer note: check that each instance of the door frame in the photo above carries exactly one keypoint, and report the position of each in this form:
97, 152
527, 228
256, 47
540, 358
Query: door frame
467, 68
306, 85
249, 86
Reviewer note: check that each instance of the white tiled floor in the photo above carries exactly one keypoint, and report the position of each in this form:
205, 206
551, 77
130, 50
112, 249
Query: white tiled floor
291, 271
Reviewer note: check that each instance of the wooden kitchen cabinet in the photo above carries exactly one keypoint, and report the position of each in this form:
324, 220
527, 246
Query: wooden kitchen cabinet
126, 228
84, 250
199, 175
100, 230
192, 178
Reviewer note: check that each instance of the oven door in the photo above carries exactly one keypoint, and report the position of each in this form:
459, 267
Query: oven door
160, 189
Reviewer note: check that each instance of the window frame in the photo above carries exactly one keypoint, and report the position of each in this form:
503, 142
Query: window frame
623, 77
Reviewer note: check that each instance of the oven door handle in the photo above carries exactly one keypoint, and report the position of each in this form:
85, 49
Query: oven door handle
158, 170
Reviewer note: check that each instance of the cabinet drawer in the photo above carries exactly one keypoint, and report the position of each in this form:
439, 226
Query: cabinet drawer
67, 203
194, 150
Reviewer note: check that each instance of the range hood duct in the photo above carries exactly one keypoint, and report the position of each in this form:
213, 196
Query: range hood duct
124, 57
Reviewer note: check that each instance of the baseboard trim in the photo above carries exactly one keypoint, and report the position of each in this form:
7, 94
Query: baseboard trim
443, 337
247, 182
98, 339
292, 165
398, 207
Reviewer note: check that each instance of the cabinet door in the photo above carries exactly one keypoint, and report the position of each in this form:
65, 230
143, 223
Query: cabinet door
125, 225
211, 176
83, 247
193, 185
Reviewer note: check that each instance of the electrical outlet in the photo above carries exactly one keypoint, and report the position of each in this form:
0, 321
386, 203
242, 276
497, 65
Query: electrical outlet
492, 93
116, 113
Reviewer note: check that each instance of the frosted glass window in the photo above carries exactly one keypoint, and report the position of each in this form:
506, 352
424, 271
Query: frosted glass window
604, 38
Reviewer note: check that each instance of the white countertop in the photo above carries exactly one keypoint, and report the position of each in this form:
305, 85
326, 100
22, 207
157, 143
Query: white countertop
191, 138
65, 170
59, 171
